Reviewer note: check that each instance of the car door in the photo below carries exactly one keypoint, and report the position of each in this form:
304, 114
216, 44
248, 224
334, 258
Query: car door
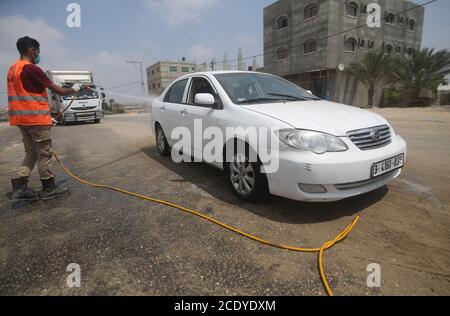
173, 108
207, 115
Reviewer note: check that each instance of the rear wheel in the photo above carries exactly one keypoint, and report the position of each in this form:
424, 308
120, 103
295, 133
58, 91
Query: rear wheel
96, 121
245, 178
161, 142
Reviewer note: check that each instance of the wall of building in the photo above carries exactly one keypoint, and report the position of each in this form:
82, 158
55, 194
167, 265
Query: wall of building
328, 29
161, 74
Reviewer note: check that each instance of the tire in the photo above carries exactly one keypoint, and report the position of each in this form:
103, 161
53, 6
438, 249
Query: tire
161, 142
245, 179
97, 121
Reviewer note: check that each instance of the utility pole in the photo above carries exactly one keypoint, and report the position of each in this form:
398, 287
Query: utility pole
226, 65
240, 60
135, 63
213, 63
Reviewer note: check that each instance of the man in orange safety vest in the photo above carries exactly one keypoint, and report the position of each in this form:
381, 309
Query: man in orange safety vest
28, 108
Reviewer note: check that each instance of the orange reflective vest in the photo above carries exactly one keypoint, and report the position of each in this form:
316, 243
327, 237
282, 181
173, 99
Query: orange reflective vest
25, 108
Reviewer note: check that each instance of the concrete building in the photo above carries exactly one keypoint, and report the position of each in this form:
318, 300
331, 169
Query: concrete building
161, 74
305, 42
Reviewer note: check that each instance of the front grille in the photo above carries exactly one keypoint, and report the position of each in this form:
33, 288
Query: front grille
359, 184
371, 138
86, 108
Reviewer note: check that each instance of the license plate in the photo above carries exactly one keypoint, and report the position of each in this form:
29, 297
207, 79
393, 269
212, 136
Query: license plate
388, 165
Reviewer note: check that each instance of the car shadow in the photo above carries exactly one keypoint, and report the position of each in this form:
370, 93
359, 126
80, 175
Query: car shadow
211, 180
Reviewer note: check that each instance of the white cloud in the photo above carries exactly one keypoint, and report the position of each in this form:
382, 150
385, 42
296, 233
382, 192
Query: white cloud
200, 53
13, 27
109, 68
245, 40
177, 12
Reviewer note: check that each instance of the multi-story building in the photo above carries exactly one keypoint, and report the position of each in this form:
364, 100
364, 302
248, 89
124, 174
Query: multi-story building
310, 42
161, 74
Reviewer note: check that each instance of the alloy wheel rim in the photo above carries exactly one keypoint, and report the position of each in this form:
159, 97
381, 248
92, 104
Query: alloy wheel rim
161, 143
242, 175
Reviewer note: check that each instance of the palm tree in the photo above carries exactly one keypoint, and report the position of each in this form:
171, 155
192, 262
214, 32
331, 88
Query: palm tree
423, 69
373, 71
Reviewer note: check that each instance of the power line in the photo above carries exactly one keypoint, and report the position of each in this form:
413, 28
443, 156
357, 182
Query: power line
183, 28
330, 35
206, 12
216, 14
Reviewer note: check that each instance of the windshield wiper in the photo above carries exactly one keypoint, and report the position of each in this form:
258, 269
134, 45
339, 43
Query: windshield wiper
258, 100
293, 97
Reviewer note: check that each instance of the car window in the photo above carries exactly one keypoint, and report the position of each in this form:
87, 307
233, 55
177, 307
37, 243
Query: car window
176, 92
199, 85
248, 87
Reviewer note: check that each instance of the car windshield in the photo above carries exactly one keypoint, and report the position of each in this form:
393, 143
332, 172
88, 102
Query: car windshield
250, 88
84, 94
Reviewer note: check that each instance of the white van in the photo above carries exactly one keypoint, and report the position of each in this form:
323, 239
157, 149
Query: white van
87, 105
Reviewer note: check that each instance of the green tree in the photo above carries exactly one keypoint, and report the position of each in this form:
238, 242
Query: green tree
373, 71
423, 69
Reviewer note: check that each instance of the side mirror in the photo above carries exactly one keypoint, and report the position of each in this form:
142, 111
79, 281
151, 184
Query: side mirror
309, 91
206, 99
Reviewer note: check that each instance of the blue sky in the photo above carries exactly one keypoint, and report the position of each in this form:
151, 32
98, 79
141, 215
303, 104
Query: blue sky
113, 31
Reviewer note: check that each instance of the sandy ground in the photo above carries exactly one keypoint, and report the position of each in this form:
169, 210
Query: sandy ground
127, 246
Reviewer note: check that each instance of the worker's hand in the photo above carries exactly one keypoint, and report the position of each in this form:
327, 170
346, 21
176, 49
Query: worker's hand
55, 122
76, 87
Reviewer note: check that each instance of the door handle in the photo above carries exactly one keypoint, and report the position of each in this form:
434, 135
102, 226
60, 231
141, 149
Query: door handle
184, 112
163, 109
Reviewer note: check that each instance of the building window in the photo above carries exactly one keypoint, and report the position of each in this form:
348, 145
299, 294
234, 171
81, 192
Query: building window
352, 9
362, 44
184, 69
398, 50
173, 69
388, 49
158, 69
282, 53
364, 9
310, 46
411, 25
371, 45
282, 23
311, 11
409, 52
350, 45
400, 20
390, 18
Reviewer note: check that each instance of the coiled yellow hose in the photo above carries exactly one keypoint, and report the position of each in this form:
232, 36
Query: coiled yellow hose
320, 251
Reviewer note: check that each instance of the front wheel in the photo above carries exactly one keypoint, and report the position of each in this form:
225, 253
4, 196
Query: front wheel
245, 179
161, 142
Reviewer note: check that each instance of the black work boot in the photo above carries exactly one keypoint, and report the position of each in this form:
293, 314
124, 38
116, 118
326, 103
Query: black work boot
51, 191
21, 192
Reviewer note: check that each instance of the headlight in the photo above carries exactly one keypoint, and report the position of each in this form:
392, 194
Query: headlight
316, 142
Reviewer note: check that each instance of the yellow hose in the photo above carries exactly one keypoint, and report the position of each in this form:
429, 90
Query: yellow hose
320, 251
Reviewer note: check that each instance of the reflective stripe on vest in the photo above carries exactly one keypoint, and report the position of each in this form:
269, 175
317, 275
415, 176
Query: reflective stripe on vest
28, 112
24, 107
27, 98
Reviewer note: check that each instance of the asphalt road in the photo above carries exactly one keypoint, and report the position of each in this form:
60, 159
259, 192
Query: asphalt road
126, 246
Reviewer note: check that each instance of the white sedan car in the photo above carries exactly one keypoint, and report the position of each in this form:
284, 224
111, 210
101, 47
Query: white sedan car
326, 151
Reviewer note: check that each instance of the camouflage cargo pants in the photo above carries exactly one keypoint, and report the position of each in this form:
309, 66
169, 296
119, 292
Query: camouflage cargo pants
38, 149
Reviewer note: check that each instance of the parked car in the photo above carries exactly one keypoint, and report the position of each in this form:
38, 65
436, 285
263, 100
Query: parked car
328, 151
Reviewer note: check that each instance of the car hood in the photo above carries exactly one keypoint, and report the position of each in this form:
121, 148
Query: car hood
324, 116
